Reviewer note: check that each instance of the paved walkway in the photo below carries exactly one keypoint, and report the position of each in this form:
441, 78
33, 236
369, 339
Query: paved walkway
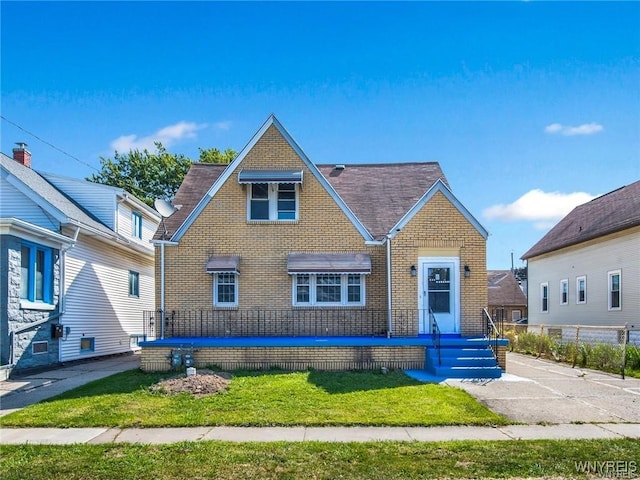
553, 401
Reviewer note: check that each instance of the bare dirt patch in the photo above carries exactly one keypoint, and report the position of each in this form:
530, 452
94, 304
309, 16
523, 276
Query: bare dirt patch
203, 383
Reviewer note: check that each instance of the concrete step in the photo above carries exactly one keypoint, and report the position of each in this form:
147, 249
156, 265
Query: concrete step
462, 361
467, 372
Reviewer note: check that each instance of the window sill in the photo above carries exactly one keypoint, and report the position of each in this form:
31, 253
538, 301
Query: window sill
27, 305
272, 222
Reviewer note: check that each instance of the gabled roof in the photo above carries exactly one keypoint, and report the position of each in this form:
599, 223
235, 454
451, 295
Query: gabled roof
378, 198
615, 211
503, 289
381, 194
49, 198
224, 176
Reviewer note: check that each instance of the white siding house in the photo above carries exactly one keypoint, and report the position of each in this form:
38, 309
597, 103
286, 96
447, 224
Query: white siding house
77, 267
586, 270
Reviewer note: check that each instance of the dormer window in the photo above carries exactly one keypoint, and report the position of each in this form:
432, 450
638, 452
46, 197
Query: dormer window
136, 225
272, 195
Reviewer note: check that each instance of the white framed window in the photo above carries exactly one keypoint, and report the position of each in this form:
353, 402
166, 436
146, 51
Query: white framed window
328, 289
516, 315
38, 348
134, 284
136, 225
581, 290
615, 290
225, 289
544, 297
272, 201
564, 291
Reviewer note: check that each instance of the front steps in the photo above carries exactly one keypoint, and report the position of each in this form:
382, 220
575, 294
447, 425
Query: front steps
468, 358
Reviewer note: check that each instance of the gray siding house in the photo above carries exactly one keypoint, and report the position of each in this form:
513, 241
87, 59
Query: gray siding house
77, 267
586, 269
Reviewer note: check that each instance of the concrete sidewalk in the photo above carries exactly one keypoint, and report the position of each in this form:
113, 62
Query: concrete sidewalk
23, 391
554, 401
60, 436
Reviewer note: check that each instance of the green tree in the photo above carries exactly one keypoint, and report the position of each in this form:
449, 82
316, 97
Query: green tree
151, 175
213, 155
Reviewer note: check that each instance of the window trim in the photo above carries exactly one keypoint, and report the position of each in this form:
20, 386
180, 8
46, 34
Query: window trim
134, 285
136, 225
344, 290
47, 280
610, 275
564, 283
216, 302
273, 190
544, 297
579, 279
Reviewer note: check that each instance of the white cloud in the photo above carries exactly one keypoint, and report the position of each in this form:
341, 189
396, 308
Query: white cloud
569, 131
542, 208
167, 136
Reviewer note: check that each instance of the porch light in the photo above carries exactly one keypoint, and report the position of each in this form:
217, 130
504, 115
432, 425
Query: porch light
413, 271
467, 271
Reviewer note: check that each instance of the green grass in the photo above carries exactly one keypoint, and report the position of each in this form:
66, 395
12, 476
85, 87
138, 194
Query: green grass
311, 460
261, 399
600, 356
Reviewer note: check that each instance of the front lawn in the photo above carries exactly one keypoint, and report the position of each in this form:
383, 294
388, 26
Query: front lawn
261, 399
311, 460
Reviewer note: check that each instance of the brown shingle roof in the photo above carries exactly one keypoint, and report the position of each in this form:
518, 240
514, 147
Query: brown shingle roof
610, 213
503, 289
378, 194
194, 186
381, 194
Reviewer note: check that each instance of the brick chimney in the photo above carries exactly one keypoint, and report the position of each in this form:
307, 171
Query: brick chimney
22, 155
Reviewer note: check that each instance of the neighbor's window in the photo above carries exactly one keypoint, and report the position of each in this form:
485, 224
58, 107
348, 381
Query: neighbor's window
581, 289
136, 225
38, 348
615, 285
273, 201
564, 291
36, 273
134, 284
544, 297
225, 290
328, 289
87, 344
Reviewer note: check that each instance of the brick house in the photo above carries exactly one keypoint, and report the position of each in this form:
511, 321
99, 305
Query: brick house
273, 245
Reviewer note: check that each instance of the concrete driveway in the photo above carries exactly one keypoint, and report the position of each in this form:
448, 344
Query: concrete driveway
540, 391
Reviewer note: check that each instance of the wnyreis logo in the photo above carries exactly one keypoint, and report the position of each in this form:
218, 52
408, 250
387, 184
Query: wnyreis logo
609, 468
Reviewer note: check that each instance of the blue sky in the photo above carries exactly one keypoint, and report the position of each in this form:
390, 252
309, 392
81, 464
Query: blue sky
530, 107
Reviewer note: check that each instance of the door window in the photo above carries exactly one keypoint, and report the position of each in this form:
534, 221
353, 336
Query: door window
439, 286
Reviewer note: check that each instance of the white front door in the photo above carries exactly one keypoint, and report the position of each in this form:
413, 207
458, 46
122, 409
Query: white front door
440, 285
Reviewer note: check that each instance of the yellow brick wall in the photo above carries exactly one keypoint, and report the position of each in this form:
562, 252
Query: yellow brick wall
292, 358
439, 229
222, 229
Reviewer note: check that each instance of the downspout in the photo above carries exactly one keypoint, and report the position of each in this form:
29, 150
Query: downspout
389, 290
162, 290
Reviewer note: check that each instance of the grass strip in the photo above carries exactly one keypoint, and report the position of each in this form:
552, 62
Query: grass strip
273, 398
311, 460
